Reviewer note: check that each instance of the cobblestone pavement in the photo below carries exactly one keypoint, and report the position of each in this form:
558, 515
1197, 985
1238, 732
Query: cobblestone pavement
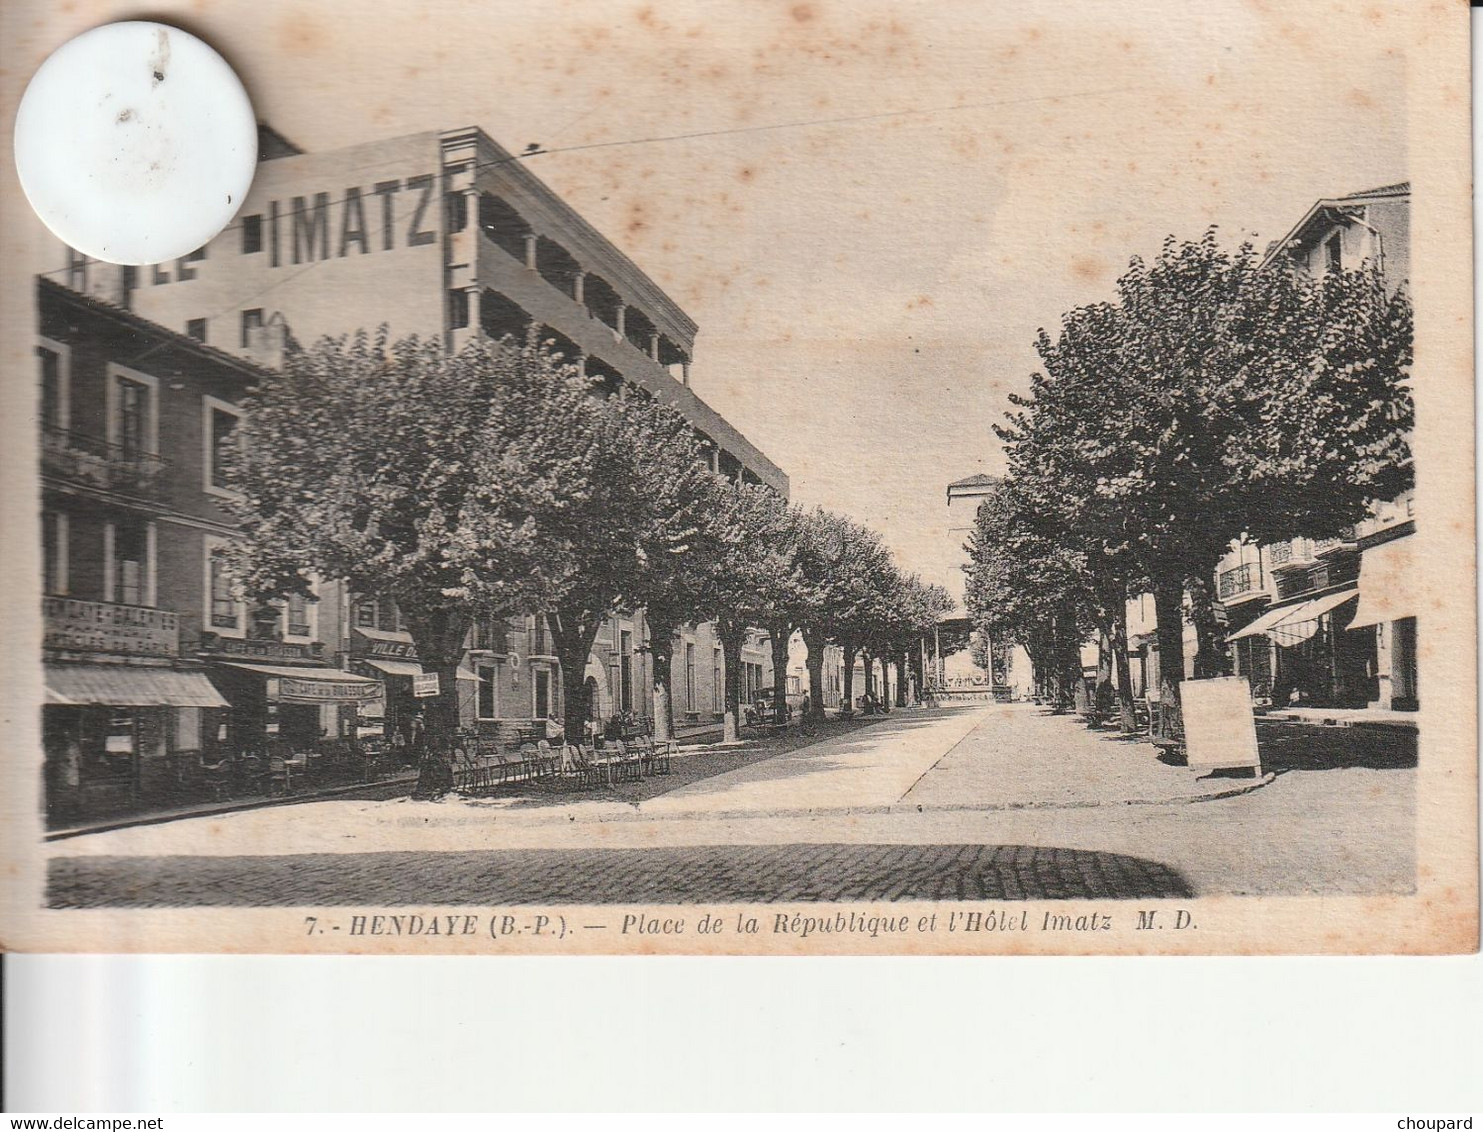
691, 874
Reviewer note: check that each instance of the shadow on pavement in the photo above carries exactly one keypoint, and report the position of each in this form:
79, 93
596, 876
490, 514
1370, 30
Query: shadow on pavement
1295, 746
701, 873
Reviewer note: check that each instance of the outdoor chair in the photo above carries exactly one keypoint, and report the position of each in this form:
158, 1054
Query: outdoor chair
254, 773
627, 760
593, 769
218, 777
280, 775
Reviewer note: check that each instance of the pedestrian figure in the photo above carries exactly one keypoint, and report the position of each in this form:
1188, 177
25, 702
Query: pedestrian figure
417, 737
804, 723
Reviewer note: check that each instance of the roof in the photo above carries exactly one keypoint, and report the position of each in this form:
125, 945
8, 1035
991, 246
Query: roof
970, 486
1401, 190
50, 287
979, 480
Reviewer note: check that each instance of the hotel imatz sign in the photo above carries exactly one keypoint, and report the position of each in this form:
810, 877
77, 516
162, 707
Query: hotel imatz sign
69, 625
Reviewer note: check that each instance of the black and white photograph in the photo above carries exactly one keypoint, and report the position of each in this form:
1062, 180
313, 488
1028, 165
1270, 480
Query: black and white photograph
792, 478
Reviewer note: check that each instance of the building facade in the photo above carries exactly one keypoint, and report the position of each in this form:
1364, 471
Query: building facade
154, 668
447, 234
1332, 622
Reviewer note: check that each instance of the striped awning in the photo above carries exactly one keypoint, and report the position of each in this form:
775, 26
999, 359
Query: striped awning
122, 685
1302, 622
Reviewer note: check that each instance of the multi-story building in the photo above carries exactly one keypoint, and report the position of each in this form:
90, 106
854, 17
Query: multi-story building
449, 235
1332, 622
152, 663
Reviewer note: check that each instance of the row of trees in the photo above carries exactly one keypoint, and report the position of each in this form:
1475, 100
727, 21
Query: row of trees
498, 481
1213, 400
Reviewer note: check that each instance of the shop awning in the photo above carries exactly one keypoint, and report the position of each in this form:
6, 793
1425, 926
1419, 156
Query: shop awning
1302, 621
1262, 623
122, 685
394, 667
314, 685
1387, 580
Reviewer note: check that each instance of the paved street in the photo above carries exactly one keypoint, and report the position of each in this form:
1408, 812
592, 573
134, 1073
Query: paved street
983, 802
707, 873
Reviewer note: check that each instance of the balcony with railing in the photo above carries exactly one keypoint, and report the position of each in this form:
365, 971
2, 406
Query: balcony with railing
1291, 555
90, 462
1242, 581
1327, 546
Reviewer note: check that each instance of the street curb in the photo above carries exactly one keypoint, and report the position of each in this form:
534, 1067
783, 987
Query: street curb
634, 814
137, 820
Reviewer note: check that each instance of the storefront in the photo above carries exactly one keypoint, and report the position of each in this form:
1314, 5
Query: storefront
403, 685
297, 706
121, 722
111, 735
1301, 652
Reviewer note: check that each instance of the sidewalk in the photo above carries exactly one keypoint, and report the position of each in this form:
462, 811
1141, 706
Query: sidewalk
397, 784
1022, 757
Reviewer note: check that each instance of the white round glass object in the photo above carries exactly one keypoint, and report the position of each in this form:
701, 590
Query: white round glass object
135, 143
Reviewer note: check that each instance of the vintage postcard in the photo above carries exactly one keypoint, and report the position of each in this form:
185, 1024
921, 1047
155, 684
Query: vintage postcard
799, 477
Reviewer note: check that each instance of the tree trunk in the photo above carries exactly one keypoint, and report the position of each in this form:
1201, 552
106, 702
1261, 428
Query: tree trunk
573, 637
816, 644
1168, 603
901, 677
732, 638
1105, 696
867, 663
780, 632
439, 636
1127, 721
662, 653
885, 682
847, 707
1210, 653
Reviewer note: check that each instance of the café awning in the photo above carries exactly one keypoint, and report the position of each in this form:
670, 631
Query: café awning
314, 685
122, 685
1387, 576
1262, 623
1302, 621
394, 667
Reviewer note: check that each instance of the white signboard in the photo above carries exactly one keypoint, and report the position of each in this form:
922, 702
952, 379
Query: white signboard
425, 684
1219, 726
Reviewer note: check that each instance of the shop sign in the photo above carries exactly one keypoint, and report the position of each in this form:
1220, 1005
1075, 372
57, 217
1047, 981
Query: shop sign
425, 684
262, 650
391, 650
295, 691
99, 626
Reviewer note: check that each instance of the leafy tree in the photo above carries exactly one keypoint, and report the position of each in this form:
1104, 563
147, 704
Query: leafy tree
675, 554
1213, 399
614, 492
843, 563
1026, 587
747, 525
375, 463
